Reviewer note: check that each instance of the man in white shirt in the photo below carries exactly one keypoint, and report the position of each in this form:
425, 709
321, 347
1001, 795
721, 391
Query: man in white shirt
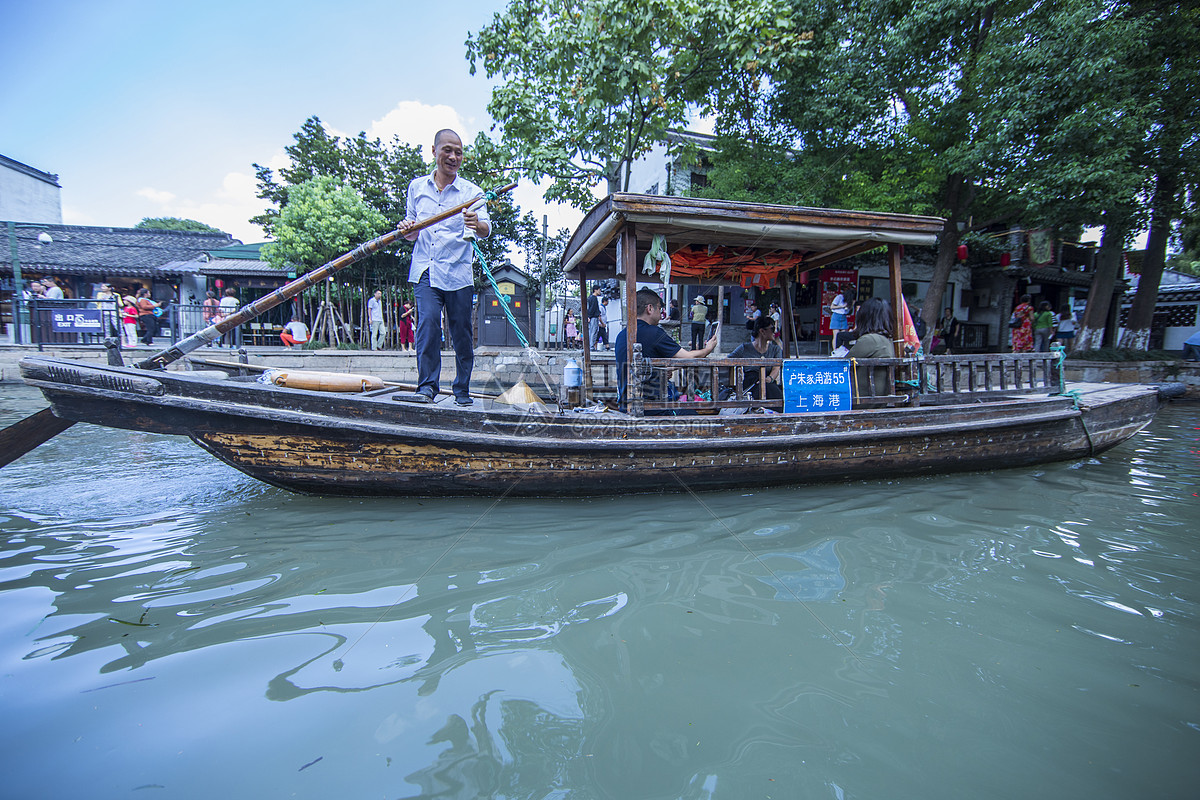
375, 320
53, 290
441, 267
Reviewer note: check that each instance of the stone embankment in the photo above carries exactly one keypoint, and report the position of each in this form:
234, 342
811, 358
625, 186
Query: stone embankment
1185, 372
495, 369
498, 369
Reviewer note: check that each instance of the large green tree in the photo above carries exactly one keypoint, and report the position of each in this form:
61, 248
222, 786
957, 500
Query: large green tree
323, 218
1164, 60
905, 93
588, 86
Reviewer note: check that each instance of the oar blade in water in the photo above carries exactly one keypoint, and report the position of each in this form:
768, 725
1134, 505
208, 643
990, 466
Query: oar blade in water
18, 439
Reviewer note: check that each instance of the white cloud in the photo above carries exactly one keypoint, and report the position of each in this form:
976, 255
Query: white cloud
416, 123
155, 195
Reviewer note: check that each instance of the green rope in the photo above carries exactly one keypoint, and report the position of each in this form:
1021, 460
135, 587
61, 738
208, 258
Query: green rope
504, 299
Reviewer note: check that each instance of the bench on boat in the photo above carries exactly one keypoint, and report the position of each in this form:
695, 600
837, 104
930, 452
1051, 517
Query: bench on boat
896, 382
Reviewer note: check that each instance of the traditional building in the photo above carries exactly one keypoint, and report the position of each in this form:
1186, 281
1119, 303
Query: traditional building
28, 194
1176, 316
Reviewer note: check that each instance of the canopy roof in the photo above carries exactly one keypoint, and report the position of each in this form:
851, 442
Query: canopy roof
817, 236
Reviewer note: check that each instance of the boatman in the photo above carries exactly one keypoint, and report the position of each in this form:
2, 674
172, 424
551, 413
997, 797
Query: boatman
441, 266
656, 343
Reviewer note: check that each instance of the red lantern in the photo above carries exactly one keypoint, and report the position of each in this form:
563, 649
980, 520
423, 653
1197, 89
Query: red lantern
962, 252
220, 284
1005, 259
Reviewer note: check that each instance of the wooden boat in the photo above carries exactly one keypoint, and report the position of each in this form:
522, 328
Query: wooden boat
969, 412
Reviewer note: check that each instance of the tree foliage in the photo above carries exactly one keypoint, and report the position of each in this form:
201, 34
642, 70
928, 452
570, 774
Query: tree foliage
323, 219
174, 224
588, 86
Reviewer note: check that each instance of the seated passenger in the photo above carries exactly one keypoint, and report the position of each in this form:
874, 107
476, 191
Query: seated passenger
763, 345
656, 343
874, 331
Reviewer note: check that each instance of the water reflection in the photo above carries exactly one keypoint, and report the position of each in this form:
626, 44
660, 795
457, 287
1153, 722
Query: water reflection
830, 641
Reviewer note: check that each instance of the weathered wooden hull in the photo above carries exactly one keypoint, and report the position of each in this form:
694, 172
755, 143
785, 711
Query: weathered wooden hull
356, 445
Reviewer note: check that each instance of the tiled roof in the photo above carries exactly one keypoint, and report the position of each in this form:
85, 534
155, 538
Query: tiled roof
87, 250
25, 169
240, 266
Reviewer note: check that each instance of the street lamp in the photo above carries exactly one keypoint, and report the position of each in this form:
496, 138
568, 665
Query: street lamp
18, 284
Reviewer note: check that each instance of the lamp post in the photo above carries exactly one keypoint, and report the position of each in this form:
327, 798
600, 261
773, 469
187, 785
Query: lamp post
18, 283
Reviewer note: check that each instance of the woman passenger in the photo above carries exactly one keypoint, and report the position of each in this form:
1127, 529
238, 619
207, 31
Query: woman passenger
763, 345
874, 330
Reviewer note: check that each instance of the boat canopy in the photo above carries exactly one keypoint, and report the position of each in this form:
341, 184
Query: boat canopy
773, 238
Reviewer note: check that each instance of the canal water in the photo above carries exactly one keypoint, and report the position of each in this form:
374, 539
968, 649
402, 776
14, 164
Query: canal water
174, 629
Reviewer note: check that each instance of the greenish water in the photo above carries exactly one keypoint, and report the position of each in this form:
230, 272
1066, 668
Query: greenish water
171, 628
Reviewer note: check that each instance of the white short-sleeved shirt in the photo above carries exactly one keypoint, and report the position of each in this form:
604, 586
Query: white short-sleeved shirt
440, 248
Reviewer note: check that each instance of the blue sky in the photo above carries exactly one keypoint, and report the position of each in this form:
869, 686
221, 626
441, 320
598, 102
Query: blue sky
147, 109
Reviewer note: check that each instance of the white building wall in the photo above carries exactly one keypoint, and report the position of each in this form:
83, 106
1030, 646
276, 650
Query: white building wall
26, 198
648, 175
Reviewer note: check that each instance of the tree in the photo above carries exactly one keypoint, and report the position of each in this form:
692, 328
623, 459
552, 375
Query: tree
589, 86
322, 219
914, 82
1165, 61
174, 224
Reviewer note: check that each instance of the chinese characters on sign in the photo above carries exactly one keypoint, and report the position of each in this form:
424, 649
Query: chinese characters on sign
76, 320
815, 386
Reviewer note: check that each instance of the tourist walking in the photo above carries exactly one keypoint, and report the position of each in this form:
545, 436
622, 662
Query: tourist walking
1043, 327
375, 321
1021, 324
699, 318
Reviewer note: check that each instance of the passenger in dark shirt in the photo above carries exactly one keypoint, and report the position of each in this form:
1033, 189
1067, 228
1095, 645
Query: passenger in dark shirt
656, 343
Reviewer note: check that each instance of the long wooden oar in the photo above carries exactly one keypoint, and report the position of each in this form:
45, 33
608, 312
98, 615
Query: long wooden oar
286, 292
18, 439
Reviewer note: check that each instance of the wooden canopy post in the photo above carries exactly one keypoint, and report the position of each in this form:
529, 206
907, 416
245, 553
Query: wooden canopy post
627, 263
587, 336
897, 300
785, 312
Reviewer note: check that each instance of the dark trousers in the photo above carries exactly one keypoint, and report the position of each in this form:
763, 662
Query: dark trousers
698, 335
457, 304
149, 326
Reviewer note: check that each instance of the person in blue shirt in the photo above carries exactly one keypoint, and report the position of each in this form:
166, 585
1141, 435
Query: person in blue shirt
656, 343
1191, 347
441, 266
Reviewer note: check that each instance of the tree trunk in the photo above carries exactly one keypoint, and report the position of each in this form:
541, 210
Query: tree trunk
958, 197
946, 256
1141, 315
1108, 267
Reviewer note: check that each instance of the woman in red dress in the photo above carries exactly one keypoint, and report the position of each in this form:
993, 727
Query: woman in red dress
1022, 335
405, 327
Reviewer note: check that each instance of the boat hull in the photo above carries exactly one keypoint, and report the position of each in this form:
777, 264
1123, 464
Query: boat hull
328, 444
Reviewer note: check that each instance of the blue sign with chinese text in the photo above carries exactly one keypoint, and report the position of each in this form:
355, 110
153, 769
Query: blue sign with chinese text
816, 386
76, 320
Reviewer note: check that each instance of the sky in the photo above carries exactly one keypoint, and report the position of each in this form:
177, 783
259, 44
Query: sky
160, 109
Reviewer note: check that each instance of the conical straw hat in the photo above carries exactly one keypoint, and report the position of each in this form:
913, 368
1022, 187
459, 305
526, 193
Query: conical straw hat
519, 393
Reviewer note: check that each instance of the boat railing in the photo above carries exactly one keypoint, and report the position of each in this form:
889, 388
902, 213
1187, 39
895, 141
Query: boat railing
704, 385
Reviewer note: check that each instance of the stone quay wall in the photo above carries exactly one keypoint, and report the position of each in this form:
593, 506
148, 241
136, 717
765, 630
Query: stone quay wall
496, 369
